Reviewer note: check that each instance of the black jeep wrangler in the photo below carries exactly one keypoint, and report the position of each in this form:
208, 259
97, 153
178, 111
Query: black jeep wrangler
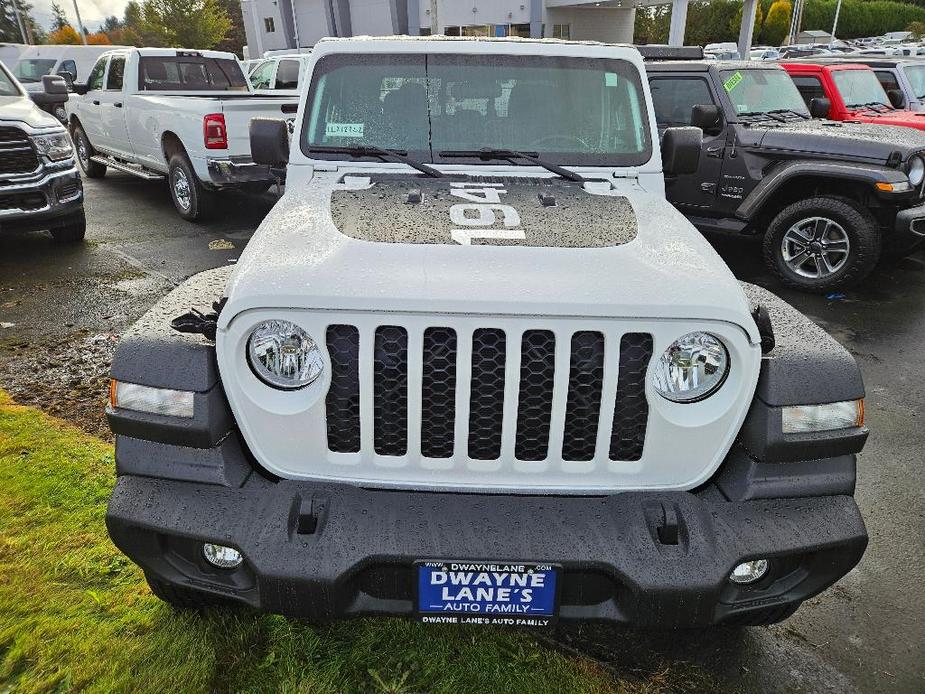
829, 198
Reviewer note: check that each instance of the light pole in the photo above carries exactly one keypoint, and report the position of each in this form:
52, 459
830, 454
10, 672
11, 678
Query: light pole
80, 24
835, 23
22, 28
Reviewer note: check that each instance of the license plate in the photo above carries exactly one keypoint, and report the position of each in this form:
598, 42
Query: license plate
464, 592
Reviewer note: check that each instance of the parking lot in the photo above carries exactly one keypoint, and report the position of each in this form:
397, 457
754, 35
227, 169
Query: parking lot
63, 307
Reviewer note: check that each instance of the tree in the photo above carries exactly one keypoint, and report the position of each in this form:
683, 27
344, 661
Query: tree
777, 23
98, 39
59, 18
9, 26
917, 29
186, 23
737, 21
235, 39
65, 35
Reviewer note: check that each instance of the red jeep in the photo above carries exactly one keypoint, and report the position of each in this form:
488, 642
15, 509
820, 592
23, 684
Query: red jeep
850, 92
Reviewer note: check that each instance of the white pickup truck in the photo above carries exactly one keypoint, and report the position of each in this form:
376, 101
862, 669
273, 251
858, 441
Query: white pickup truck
156, 112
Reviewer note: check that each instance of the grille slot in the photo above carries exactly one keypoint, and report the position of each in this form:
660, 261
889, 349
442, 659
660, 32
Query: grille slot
16, 153
390, 391
22, 201
486, 402
438, 393
534, 410
631, 414
343, 399
585, 388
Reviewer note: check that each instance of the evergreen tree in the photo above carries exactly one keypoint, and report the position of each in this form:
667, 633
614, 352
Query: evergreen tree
59, 19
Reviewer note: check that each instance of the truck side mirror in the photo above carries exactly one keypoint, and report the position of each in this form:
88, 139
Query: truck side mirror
819, 107
681, 150
54, 84
896, 97
54, 92
706, 117
68, 77
80, 88
269, 141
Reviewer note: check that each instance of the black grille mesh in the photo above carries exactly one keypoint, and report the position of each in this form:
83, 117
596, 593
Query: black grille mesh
343, 400
486, 402
390, 391
438, 393
22, 201
631, 414
583, 402
534, 408
16, 153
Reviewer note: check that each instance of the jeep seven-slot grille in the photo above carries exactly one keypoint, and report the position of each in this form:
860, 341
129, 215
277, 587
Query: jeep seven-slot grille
16, 153
437, 357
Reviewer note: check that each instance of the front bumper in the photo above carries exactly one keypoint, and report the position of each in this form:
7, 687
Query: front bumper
325, 551
910, 226
49, 199
234, 170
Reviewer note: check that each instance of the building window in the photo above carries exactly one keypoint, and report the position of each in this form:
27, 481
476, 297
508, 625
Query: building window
521, 30
562, 31
269, 25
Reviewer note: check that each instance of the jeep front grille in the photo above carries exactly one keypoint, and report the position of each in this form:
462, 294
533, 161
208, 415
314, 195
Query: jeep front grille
16, 153
553, 381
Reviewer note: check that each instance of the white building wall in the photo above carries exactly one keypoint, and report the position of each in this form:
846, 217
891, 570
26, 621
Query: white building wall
312, 17
460, 12
609, 25
255, 12
372, 17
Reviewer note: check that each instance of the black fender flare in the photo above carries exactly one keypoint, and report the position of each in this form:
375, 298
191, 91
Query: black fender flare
868, 174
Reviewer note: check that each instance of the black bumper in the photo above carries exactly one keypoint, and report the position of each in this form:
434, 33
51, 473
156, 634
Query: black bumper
54, 200
910, 228
330, 551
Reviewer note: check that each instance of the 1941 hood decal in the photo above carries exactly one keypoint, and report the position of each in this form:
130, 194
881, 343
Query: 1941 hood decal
523, 212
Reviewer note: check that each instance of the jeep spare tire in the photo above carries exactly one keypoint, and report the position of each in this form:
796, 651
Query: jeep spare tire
822, 243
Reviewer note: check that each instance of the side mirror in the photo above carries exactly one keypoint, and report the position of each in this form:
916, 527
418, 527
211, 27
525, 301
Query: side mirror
896, 97
80, 88
706, 117
269, 141
68, 77
819, 107
681, 150
54, 92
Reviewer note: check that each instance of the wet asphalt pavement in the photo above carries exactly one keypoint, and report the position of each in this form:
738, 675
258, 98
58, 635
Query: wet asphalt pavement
62, 308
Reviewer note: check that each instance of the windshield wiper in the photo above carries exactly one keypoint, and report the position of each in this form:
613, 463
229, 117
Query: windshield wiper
789, 110
761, 114
875, 106
381, 152
488, 153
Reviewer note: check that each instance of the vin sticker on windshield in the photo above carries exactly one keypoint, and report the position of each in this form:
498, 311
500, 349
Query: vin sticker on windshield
343, 130
732, 82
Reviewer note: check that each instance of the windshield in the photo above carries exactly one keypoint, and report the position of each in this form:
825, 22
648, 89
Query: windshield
7, 86
762, 91
916, 76
33, 70
859, 88
566, 110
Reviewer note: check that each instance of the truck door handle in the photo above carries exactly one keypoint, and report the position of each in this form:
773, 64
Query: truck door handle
118, 104
96, 102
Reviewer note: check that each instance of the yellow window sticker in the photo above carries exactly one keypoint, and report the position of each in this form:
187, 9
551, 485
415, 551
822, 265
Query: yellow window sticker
732, 82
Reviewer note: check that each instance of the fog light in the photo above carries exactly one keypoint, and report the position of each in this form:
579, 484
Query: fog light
221, 556
801, 419
749, 571
132, 396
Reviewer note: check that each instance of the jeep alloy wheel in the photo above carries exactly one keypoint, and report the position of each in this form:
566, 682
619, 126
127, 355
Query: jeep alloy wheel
816, 247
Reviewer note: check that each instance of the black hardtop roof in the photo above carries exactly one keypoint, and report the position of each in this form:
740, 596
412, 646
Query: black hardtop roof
705, 65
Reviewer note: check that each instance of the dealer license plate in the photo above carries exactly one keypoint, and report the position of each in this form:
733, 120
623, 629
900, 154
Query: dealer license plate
464, 592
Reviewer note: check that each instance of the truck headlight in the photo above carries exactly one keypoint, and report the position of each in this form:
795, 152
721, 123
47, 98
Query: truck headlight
916, 171
692, 368
283, 355
56, 147
804, 419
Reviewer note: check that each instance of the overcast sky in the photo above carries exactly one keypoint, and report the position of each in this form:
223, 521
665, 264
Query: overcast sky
91, 11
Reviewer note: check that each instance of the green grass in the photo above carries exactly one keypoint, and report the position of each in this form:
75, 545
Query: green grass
76, 615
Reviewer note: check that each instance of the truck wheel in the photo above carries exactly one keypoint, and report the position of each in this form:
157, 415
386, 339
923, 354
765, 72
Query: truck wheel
84, 151
822, 243
193, 202
73, 231
182, 598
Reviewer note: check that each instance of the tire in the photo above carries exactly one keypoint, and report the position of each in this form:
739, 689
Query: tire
838, 240
85, 150
183, 598
193, 202
72, 232
765, 617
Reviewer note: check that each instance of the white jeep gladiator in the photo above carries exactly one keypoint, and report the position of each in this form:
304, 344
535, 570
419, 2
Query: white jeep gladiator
474, 368
156, 112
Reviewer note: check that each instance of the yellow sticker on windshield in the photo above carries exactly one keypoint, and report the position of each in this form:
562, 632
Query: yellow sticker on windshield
732, 82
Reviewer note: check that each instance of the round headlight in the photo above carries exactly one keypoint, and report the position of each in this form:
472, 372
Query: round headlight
692, 368
283, 355
916, 171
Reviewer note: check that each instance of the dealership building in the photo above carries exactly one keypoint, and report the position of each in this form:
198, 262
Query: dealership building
292, 24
